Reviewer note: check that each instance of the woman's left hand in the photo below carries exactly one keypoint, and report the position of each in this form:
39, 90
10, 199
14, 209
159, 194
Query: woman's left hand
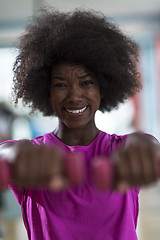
138, 162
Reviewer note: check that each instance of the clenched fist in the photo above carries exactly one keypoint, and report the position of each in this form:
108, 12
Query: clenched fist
40, 165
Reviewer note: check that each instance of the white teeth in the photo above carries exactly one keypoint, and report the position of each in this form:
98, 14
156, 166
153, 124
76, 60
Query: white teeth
77, 111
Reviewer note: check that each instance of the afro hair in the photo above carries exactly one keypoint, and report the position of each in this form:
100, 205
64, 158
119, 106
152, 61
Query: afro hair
85, 37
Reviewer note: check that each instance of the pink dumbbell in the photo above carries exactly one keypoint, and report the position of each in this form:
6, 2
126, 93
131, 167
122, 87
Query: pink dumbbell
102, 171
75, 168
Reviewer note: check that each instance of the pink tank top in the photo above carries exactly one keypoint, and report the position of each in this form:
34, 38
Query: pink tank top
82, 212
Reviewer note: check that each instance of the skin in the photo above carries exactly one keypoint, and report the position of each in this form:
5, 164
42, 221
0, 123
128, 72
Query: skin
74, 87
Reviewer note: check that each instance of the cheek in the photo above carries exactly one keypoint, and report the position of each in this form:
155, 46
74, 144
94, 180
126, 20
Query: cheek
54, 103
54, 98
98, 101
96, 97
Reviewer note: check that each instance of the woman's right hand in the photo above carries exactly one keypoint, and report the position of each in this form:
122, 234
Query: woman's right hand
37, 165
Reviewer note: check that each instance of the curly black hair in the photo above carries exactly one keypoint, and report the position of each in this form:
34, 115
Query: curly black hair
85, 37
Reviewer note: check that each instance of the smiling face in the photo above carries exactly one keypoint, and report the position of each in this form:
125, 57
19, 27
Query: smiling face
75, 95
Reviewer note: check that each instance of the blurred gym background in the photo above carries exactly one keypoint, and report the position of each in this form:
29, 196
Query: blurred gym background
141, 20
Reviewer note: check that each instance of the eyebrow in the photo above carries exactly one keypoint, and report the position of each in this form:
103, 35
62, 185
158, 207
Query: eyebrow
85, 75
80, 77
58, 77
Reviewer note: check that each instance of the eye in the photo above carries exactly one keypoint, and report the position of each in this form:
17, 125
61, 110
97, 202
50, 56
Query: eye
87, 83
60, 85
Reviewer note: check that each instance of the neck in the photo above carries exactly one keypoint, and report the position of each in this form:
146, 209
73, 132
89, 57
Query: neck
73, 137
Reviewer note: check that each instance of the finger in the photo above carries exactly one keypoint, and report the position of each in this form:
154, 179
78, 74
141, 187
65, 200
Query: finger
20, 169
42, 166
149, 163
121, 168
122, 186
39, 175
34, 166
58, 183
28, 164
54, 164
142, 165
136, 175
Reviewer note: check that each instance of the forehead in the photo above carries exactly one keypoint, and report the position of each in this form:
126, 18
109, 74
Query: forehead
64, 68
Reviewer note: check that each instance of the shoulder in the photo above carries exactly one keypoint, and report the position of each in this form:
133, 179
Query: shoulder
107, 143
44, 139
47, 139
113, 139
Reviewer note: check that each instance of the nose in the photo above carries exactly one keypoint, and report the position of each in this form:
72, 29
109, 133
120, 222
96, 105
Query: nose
74, 94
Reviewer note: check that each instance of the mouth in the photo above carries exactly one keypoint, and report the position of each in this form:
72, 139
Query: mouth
76, 111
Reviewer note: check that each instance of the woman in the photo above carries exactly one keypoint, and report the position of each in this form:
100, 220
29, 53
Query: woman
70, 65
